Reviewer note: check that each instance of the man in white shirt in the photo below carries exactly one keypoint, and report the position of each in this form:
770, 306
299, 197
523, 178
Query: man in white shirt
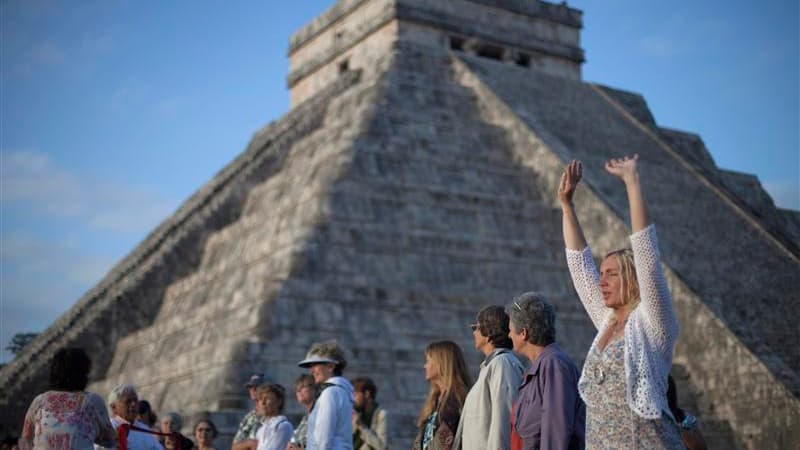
124, 404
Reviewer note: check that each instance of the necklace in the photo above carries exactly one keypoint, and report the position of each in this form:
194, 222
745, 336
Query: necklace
619, 326
599, 372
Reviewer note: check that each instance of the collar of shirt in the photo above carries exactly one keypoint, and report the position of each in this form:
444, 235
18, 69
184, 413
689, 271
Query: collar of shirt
269, 421
492, 355
535, 365
120, 420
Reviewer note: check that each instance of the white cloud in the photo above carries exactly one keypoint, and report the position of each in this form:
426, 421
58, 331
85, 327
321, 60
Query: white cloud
32, 182
47, 54
26, 59
678, 37
57, 230
35, 257
39, 280
98, 45
167, 109
660, 46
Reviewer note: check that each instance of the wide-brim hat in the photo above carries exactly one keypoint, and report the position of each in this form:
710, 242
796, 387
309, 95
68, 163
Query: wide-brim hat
312, 359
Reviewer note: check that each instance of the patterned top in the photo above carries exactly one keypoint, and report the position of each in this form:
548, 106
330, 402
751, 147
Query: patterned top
430, 427
610, 423
652, 327
440, 427
299, 436
248, 427
66, 421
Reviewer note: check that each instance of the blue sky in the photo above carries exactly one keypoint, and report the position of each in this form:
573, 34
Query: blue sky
114, 112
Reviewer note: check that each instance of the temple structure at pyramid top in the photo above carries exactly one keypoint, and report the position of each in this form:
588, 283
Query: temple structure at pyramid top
412, 182
532, 34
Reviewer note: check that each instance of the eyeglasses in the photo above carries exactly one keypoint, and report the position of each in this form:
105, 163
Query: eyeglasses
474, 326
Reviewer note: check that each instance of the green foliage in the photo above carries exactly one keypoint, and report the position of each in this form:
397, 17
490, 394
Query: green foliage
19, 341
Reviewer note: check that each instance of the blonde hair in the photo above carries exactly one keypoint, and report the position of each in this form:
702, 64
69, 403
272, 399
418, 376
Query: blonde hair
454, 377
629, 285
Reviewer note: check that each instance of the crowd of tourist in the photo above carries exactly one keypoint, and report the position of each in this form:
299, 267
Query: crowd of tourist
622, 398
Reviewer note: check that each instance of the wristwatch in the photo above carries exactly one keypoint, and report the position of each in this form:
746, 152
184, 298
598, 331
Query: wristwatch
689, 422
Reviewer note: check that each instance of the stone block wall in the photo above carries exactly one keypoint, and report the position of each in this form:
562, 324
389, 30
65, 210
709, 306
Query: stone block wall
361, 34
433, 220
724, 353
543, 37
195, 357
406, 191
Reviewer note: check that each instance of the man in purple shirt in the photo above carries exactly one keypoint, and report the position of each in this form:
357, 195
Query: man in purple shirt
548, 413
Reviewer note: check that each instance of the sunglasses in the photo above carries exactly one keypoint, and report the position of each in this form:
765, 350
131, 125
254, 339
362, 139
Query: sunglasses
473, 326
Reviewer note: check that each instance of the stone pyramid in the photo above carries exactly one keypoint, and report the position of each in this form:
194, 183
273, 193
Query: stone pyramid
412, 182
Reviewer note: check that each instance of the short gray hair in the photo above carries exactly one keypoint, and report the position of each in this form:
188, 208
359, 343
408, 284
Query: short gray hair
531, 312
119, 391
177, 420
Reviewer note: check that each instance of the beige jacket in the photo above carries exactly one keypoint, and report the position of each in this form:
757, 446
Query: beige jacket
486, 418
375, 436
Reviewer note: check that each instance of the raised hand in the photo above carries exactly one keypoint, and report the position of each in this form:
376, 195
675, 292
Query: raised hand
570, 178
623, 168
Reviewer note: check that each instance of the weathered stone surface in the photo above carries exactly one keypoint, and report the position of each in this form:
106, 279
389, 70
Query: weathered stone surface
413, 185
705, 236
130, 296
536, 34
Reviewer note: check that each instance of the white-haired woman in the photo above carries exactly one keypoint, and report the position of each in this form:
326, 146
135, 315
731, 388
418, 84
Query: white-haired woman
330, 424
548, 413
171, 424
624, 378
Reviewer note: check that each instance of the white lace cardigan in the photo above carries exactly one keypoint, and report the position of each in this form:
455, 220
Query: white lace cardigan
652, 327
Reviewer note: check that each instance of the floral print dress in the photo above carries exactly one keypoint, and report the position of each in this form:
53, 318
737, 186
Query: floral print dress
610, 423
67, 421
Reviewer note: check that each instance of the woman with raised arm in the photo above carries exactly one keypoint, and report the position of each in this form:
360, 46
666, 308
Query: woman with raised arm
624, 378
